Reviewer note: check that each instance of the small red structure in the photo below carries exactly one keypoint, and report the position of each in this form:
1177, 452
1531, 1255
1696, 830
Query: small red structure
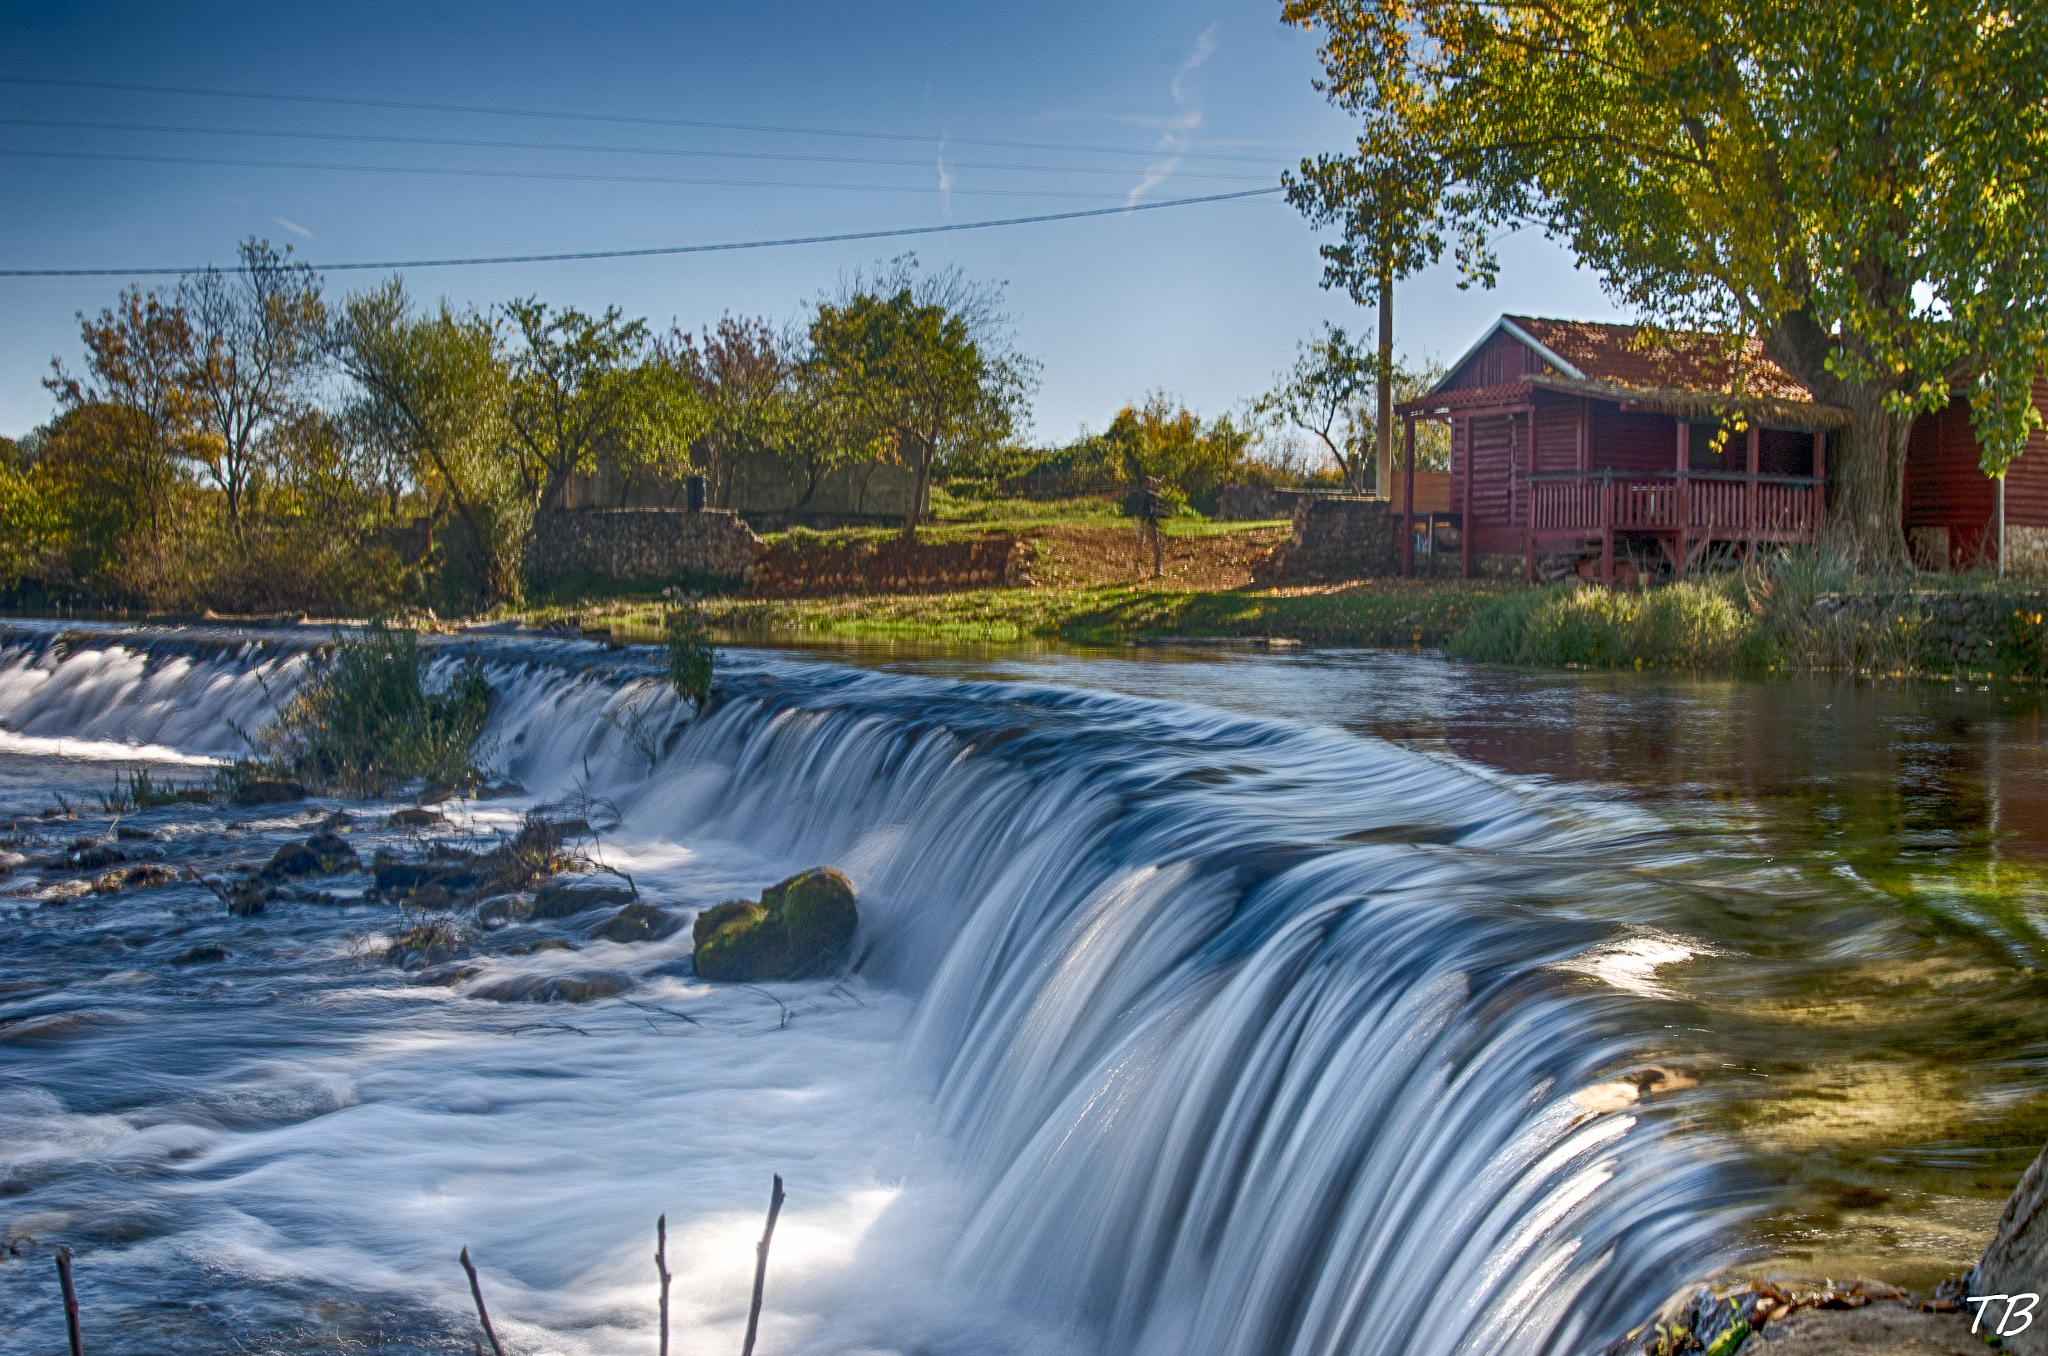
1568, 436
1951, 506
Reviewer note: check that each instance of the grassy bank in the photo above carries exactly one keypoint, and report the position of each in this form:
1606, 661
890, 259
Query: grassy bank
1385, 613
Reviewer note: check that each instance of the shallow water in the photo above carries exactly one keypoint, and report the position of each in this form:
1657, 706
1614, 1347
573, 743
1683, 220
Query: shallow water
1171, 1029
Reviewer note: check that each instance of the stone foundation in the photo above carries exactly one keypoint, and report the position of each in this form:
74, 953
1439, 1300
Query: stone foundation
1337, 537
788, 570
642, 544
1957, 630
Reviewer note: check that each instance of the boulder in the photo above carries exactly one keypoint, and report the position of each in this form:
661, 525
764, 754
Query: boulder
576, 988
267, 791
566, 901
397, 874
637, 923
91, 855
335, 854
412, 817
248, 900
803, 926
202, 955
144, 877
2016, 1263
293, 859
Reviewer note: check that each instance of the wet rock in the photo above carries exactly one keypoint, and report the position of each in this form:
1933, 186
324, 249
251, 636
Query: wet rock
436, 793
1887, 1329
202, 955
128, 835
637, 923
500, 790
249, 899
146, 876
448, 976
90, 854
504, 910
566, 901
334, 852
580, 987
340, 819
802, 926
398, 874
434, 943
545, 944
412, 817
267, 791
291, 860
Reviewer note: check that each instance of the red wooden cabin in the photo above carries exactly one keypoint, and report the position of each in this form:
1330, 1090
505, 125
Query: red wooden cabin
1951, 506
1569, 437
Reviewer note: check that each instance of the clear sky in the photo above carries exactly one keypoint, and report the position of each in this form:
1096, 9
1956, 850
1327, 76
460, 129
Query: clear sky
893, 116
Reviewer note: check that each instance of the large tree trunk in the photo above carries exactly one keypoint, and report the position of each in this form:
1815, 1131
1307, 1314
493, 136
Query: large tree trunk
924, 485
1866, 481
1383, 482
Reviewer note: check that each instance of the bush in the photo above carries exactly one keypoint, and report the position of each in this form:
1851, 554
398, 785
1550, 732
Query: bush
365, 721
1676, 626
689, 653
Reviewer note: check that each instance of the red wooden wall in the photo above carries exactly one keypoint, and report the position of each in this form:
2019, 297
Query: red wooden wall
1946, 487
1504, 359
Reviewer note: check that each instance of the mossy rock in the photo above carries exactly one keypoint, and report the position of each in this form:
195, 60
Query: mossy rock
802, 927
636, 923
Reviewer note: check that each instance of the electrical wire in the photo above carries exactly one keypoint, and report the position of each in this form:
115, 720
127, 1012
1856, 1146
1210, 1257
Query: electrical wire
570, 176
606, 117
665, 249
478, 143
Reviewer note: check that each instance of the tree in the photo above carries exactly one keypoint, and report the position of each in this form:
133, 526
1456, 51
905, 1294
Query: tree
1320, 393
916, 365
137, 354
581, 385
257, 339
745, 381
434, 386
1857, 183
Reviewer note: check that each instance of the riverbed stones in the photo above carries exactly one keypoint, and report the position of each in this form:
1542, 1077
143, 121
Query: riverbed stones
803, 926
637, 923
2017, 1260
565, 900
267, 791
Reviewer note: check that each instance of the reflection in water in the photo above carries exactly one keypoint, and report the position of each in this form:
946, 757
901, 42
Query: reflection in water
1869, 862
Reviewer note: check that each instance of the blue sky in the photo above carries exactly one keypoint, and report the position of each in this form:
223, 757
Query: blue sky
1100, 105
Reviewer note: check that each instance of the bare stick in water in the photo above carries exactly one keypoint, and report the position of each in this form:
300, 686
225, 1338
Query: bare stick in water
761, 1266
482, 1314
71, 1301
661, 1267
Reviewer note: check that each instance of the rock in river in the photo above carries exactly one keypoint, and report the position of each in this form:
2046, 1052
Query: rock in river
267, 791
566, 901
801, 927
637, 923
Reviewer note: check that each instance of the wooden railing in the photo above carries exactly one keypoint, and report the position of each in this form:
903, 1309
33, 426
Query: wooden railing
1701, 503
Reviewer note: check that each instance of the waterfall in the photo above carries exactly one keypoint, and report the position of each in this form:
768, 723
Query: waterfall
1246, 1038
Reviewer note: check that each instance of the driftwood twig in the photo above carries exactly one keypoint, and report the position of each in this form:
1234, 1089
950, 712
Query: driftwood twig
661, 1268
71, 1301
761, 1266
483, 1315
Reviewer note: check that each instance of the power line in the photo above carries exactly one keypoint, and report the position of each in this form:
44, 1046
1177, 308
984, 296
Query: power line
490, 144
131, 157
604, 117
665, 249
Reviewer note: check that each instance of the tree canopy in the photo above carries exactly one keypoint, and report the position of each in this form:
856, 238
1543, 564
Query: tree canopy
1857, 183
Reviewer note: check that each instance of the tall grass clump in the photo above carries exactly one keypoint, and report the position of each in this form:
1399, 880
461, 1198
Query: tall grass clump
366, 720
1676, 626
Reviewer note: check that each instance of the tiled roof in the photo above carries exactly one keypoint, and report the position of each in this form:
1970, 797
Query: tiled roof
1628, 355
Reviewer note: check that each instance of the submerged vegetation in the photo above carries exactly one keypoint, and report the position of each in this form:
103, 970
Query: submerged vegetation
368, 719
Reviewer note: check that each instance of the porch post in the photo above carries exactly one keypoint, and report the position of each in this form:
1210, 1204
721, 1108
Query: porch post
1682, 501
1819, 492
1752, 461
1408, 500
1465, 507
1607, 531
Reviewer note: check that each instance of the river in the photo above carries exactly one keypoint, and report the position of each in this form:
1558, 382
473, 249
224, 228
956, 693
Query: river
1327, 1002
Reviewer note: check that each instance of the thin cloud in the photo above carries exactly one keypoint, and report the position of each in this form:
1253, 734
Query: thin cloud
946, 181
294, 228
1176, 128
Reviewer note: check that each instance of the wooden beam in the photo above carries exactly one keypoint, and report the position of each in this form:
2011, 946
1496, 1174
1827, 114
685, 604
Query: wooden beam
1752, 460
1465, 509
1408, 502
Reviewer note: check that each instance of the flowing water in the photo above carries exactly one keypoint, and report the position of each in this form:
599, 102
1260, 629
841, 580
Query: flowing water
1338, 1002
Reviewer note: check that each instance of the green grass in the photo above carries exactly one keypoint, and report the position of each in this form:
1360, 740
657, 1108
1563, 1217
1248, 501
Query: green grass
1677, 626
1392, 613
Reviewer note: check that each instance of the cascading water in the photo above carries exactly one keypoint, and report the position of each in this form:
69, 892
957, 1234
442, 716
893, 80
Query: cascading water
1170, 1032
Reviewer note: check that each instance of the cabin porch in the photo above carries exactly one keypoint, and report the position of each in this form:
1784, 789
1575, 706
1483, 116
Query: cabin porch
1542, 471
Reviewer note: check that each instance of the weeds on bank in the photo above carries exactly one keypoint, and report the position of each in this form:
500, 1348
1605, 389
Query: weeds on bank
366, 720
142, 793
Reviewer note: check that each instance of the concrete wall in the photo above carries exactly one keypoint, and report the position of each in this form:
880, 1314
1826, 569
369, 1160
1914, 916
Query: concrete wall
641, 544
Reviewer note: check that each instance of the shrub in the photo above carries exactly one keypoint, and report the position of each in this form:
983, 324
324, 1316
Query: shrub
1677, 626
689, 653
366, 721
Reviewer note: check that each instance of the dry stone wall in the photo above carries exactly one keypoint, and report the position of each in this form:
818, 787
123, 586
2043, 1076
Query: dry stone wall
642, 544
1997, 631
789, 570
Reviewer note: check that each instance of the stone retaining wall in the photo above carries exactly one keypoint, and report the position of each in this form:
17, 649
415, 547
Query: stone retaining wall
642, 544
788, 570
1972, 630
